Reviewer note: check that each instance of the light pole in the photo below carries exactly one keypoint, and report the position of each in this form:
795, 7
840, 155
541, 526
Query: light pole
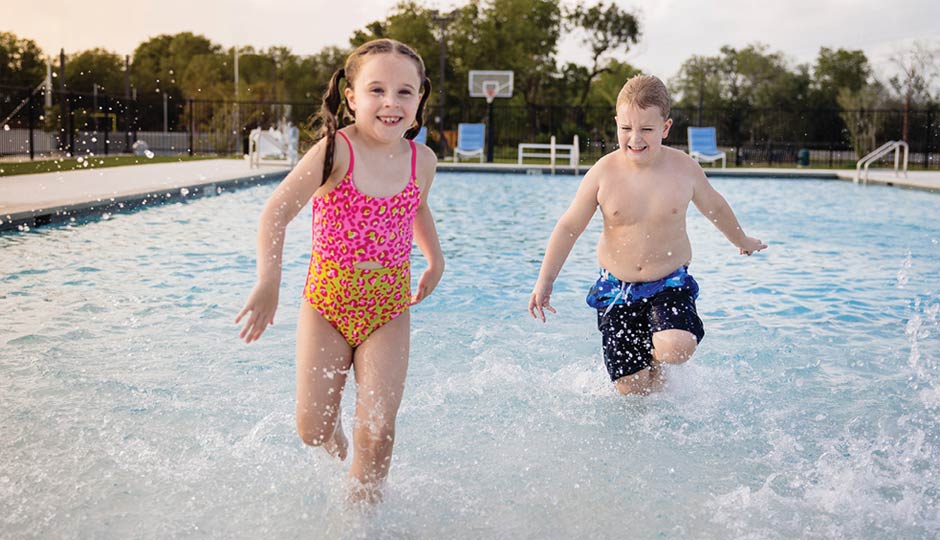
443, 20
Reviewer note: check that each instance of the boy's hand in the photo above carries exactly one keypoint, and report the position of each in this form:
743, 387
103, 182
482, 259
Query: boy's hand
426, 284
539, 301
751, 245
261, 303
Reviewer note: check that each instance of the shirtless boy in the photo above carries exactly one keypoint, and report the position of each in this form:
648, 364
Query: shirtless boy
645, 297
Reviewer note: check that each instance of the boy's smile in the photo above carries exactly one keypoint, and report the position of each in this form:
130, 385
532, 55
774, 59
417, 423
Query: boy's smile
640, 132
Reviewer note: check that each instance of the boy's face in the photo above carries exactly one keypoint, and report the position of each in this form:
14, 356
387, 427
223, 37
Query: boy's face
640, 132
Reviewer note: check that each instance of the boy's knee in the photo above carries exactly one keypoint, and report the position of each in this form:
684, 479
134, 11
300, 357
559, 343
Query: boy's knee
675, 347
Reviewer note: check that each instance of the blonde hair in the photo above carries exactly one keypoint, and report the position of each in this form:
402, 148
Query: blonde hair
645, 91
330, 116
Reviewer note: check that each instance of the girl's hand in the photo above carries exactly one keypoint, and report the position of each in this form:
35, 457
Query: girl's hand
751, 245
261, 303
426, 284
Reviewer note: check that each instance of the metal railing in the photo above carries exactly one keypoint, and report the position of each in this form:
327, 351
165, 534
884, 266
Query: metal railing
877, 154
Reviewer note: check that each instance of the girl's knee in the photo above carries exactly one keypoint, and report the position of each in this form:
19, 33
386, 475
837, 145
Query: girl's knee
314, 430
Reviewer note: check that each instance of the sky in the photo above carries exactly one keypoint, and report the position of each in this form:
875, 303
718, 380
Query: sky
671, 30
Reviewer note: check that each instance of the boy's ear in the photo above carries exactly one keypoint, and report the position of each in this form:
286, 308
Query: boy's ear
666, 126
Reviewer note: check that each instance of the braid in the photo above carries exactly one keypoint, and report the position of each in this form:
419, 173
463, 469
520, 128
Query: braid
330, 118
419, 116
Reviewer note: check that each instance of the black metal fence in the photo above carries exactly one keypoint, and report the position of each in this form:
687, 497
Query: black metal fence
76, 123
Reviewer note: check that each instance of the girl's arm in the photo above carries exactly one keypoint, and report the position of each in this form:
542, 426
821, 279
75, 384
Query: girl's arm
284, 204
566, 232
425, 233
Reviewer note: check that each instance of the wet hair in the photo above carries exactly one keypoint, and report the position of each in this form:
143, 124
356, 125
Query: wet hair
645, 91
329, 116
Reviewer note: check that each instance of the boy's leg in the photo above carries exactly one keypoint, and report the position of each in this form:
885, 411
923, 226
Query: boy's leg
381, 363
323, 361
673, 346
675, 324
628, 348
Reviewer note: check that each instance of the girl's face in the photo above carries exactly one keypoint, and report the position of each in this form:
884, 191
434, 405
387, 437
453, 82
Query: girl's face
385, 96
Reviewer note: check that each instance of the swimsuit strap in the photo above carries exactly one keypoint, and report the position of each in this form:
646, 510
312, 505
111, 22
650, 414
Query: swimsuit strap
352, 158
414, 159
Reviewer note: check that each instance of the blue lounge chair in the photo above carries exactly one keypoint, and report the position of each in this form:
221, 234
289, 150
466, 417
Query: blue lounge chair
703, 147
470, 140
422, 136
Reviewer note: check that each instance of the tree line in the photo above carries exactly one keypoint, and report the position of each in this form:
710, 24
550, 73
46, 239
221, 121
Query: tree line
751, 93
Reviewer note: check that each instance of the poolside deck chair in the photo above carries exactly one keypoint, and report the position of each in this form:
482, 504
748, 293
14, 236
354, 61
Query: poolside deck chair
470, 140
422, 136
703, 147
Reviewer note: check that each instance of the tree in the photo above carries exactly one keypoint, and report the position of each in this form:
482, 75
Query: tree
21, 61
860, 112
95, 67
607, 29
917, 68
836, 69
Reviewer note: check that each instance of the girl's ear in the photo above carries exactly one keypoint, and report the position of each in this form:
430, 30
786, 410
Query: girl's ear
350, 98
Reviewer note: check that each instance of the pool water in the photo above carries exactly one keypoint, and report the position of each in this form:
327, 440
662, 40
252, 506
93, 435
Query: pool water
812, 409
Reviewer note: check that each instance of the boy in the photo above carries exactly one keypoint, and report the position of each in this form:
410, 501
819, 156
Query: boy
645, 298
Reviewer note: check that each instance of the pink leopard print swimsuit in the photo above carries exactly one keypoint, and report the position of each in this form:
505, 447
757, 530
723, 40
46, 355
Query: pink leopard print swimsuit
351, 227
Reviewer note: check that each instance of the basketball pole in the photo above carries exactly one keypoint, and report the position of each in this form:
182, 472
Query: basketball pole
492, 134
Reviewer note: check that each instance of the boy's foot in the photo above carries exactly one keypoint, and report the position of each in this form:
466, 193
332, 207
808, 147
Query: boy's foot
644, 382
337, 445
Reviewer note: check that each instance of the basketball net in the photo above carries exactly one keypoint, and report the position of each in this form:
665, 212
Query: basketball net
490, 95
489, 89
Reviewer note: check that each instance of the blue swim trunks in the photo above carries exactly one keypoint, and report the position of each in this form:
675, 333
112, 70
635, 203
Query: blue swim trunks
628, 314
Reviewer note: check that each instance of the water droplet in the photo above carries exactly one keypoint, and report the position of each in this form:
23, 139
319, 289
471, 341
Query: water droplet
149, 154
94, 139
184, 192
6, 127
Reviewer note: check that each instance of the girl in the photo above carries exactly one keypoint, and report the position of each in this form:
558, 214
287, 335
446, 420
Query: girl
369, 187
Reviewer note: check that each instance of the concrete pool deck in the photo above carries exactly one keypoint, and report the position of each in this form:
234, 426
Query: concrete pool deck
38, 199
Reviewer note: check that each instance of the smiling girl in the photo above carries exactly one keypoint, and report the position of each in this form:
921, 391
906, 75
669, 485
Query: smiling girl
369, 196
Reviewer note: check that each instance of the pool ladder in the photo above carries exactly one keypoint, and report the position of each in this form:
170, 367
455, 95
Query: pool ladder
877, 154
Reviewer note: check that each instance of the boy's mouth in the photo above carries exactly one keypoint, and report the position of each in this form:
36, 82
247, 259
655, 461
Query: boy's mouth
636, 148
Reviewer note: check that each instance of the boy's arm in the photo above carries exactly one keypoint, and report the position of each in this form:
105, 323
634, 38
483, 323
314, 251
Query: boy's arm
716, 209
426, 233
566, 232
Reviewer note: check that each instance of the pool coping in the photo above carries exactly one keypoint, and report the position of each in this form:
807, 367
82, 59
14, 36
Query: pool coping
117, 189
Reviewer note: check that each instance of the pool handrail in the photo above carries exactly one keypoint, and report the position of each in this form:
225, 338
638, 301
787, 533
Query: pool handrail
877, 154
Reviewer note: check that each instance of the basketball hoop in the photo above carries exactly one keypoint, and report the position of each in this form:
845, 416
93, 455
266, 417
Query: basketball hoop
490, 89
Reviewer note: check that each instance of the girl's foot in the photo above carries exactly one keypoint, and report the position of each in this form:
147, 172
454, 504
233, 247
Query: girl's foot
337, 445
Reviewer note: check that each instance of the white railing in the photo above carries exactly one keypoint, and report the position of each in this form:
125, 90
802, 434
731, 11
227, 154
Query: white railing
877, 154
555, 151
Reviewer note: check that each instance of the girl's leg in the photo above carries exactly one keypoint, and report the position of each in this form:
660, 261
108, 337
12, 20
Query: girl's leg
323, 360
381, 363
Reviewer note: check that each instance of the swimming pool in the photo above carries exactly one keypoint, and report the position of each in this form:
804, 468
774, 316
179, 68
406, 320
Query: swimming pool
130, 409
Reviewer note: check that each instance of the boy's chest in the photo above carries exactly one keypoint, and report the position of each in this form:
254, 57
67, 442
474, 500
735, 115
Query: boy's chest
627, 202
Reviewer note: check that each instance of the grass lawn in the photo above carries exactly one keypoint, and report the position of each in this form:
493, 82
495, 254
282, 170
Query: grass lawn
10, 168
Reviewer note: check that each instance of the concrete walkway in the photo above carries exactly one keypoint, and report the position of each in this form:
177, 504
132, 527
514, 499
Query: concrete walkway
37, 199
